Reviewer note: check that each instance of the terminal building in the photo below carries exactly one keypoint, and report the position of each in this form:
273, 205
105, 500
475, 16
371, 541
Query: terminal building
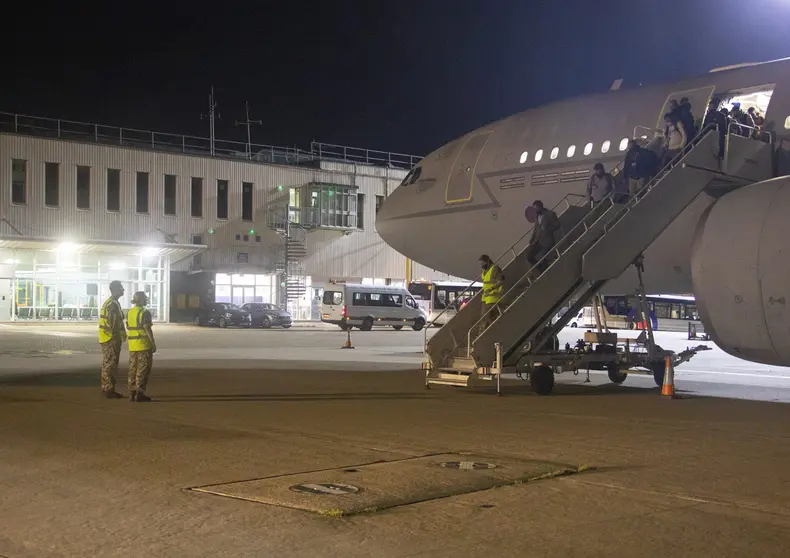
187, 220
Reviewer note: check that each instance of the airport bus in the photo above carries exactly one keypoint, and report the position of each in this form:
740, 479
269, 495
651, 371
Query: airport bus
667, 312
435, 297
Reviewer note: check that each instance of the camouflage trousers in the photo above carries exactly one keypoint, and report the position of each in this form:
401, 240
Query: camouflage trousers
140, 364
110, 354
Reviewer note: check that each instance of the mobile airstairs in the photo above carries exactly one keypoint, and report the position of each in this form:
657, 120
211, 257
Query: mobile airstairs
597, 245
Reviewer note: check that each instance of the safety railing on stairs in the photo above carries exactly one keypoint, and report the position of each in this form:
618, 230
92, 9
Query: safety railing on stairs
562, 246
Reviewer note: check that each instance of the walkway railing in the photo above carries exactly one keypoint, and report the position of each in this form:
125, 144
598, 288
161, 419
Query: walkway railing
195, 145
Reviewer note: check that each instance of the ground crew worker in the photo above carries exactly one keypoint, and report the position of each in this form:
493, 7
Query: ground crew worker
141, 347
493, 288
111, 336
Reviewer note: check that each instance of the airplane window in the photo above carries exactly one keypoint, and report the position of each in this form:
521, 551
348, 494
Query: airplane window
539, 155
571, 151
605, 146
588, 149
523, 158
555, 152
416, 176
787, 123
623, 144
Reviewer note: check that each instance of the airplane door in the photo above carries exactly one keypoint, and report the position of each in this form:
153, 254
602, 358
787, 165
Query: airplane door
699, 99
460, 181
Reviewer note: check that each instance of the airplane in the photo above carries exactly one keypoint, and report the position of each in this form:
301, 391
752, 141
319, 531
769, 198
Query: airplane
730, 248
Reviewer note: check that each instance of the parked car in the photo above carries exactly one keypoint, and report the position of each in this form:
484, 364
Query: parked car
222, 314
267, 315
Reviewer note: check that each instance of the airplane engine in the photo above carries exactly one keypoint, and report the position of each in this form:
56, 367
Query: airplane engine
740, 268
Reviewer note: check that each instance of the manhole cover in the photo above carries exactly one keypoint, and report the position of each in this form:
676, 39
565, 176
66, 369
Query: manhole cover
467, 465
334, 489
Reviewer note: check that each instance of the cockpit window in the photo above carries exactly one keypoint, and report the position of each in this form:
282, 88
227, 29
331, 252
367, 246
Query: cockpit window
412, 177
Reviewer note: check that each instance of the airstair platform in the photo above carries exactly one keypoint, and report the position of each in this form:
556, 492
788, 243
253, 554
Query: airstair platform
597, 245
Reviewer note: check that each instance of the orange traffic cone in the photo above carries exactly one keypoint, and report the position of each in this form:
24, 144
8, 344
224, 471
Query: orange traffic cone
347, 344
668, 387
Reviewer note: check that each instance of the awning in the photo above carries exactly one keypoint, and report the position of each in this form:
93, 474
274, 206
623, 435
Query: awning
176, 252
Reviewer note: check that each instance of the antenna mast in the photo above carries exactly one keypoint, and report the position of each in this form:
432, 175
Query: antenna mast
247, 123
212, 106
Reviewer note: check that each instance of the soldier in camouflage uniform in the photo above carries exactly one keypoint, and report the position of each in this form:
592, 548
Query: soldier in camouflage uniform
112, 334
141, 347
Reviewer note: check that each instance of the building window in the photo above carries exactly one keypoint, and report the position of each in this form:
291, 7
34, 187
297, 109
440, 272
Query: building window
360, 211
571, 151
588, 149
238, 236
538, 155
113, 190
19, 181
51, 184
258, 238
142, 192
246, 201
379, 202
83, 187
605, 147
246, 238
170, 194
197, 197
222, 199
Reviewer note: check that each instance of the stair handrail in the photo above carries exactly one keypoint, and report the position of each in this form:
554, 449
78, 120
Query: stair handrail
609, 199
501, 257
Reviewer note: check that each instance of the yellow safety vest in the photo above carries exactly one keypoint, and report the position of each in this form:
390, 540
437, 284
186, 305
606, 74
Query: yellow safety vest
138, 338
491, 294
105, 328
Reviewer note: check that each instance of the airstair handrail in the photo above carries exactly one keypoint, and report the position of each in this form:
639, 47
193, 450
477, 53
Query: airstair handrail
756, 130
609, 199
645, 128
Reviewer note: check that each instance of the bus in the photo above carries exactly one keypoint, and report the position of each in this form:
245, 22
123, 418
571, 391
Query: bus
435, 297
667, 312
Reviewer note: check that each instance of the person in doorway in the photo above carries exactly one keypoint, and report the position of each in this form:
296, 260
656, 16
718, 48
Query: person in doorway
600, 185
493, 288
111, 337
142, 347
719, 119
675, 138
542, 240
687, 117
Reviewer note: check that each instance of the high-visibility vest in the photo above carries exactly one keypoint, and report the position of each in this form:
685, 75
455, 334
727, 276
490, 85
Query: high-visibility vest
138, 338
491, 294
105, 328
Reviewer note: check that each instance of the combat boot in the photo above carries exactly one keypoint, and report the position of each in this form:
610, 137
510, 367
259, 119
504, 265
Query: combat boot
141, 397
132, 396
111, 394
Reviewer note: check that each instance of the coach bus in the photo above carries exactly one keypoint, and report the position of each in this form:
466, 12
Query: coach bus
667, 312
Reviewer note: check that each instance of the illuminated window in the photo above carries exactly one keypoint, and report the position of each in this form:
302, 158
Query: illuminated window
555, 152
523, 158
539, 155
605, 147
623, 144
571, 151
787, 123
588, 149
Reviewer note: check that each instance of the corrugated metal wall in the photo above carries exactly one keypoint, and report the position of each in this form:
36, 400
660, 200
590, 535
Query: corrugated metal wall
330, 253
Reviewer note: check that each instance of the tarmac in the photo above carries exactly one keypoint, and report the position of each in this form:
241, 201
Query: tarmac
280, 443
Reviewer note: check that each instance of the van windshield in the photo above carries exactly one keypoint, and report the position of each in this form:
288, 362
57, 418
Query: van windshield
333, 297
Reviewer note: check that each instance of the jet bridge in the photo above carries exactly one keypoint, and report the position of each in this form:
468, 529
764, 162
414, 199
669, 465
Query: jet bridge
597, 245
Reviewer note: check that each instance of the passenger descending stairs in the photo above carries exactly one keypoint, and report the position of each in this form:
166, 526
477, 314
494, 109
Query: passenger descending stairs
598, 245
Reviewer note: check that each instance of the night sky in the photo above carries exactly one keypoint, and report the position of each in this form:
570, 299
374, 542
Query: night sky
403, 76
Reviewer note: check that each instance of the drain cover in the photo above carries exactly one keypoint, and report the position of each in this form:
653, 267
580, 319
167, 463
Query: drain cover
467, 465
325, 488
381, 485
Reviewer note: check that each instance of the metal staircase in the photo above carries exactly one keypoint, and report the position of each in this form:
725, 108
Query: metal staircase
597, 245
293, 251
